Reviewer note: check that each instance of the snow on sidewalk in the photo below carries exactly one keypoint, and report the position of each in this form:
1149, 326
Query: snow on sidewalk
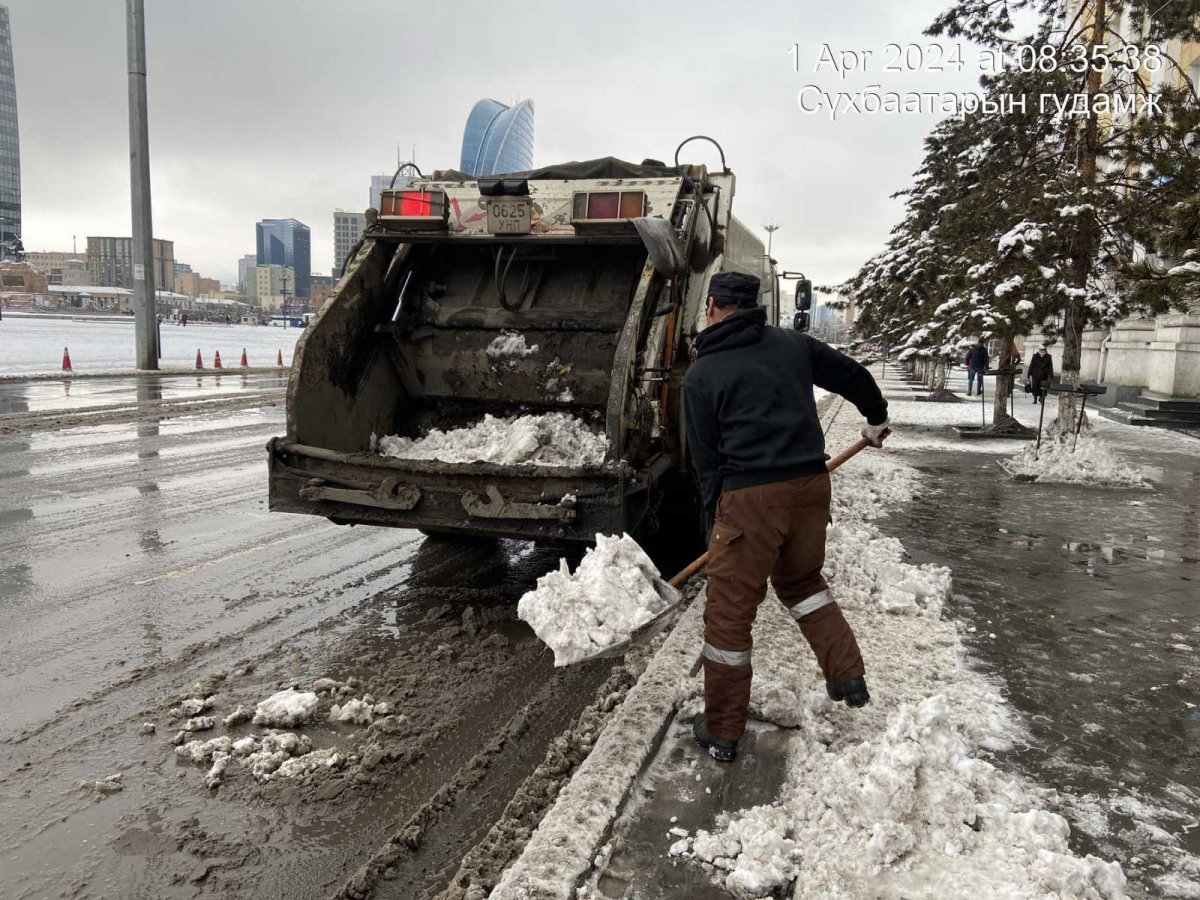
899, 799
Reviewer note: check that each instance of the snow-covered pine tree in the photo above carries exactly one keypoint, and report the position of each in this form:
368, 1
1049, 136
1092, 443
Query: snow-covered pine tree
1119, 186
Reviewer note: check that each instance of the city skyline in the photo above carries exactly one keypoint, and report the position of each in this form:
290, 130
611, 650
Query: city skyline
221, 161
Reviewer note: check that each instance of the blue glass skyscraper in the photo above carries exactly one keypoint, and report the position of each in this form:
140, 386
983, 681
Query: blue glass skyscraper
498, 138
286, 242
10, 149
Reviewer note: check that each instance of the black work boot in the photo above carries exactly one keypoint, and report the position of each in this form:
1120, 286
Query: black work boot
720, 749
853, 691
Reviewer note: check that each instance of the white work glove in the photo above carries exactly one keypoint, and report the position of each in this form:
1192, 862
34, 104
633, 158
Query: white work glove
874, 434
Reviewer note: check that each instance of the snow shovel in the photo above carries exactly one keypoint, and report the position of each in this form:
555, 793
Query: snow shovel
669, 590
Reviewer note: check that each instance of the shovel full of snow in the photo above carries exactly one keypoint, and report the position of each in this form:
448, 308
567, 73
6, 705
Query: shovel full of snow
615, 599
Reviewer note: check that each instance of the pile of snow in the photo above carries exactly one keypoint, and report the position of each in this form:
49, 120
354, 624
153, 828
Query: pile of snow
610, 595
286, 709
753, 850
103, 786
313, 761
868, 570
238, 716
203, 751
509, 345
193, 706
276, 754
552, 439
1093, 462
360, 712
908, 812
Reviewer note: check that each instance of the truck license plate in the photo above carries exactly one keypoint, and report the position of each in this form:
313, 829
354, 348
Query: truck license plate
509, 215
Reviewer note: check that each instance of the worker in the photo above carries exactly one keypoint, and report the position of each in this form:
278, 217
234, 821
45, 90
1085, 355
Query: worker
756, 444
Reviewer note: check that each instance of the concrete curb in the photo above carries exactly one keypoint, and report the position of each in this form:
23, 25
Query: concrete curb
562, 849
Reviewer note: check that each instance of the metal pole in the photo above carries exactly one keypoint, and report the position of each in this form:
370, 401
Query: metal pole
1041, 416
145, 331
770, 230
982, 404
1079, 424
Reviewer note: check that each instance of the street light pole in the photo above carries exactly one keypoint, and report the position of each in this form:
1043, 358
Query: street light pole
145, 327
770, 230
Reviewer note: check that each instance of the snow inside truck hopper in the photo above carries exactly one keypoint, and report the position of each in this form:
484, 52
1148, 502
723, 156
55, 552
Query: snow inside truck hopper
601, 265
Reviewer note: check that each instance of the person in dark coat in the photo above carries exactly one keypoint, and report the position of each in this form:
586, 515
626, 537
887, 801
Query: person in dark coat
1041, 371
759, 454
977, 364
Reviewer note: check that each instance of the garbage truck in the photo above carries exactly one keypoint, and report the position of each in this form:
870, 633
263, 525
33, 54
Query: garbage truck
597, 269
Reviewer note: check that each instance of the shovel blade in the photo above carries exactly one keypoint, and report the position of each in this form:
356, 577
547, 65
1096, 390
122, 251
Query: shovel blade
671, 596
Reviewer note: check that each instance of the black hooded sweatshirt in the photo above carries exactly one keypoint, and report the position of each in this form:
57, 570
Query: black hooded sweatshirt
748, 400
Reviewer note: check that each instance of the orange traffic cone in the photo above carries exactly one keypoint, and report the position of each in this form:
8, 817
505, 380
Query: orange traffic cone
67, 361
279, 357
199, 361
245, 362
217, 359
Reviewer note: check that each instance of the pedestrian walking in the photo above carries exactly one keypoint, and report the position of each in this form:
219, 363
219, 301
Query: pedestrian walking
755, 441
1041, 371
977, 365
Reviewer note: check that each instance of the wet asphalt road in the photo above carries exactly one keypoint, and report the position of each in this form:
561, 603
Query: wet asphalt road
137, 557
1083, 602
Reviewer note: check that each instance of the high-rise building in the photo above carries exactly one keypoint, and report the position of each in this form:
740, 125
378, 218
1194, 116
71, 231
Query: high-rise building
347, 229
246, 275
274, 286
498, 138
10, 146
286, 242
110, 262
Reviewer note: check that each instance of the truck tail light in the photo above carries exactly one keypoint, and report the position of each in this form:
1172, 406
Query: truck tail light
611, 206
413, 203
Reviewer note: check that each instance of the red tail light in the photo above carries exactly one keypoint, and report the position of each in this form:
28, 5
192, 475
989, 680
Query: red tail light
413, 204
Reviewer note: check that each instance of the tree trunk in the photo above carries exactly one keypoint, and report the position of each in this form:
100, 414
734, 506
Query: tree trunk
1086, 239
1000, 416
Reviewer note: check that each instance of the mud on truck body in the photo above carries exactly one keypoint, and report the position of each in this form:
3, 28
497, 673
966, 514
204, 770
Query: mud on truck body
602, 265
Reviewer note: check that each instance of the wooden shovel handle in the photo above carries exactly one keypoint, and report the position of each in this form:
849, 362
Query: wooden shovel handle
836, 463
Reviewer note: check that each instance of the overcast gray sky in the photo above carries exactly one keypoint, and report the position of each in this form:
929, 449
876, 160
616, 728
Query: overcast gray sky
278, 108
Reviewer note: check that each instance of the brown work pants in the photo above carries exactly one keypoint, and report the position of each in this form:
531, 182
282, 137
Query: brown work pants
774, 531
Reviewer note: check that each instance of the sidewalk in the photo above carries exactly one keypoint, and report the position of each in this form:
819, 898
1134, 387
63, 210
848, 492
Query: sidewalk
1076, 603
